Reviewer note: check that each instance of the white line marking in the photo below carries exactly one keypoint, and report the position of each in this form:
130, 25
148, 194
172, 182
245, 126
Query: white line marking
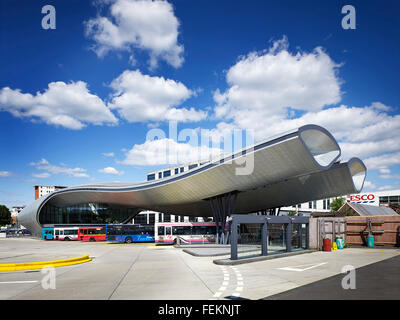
9, 282
302, 269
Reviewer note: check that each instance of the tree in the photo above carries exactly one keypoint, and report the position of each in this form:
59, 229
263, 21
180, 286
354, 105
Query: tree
5, 215
337, 203
292, 213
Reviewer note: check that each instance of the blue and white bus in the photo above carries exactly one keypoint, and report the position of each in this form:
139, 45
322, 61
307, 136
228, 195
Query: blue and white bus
129, 233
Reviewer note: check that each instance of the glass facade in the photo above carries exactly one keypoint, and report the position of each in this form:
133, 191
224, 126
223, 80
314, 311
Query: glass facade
86, 213
388, 200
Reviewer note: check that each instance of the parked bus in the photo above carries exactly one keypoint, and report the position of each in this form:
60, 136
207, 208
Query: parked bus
92, 233
48, 233
67, 233
185, 232
129, 233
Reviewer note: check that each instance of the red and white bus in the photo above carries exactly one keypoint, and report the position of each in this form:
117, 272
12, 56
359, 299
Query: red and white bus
92, 234
185, 232
67, 233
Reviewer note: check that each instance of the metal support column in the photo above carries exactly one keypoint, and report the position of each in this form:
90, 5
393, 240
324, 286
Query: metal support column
264, 238
234, 240
289, 236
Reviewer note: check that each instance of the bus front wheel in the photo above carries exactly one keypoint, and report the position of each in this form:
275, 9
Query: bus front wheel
128, 240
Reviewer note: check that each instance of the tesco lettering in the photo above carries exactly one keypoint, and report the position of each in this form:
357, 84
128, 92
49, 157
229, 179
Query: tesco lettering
364, 197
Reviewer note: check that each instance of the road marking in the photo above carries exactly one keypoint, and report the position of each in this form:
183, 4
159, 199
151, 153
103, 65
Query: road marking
296, 268
239, 282
225, 283
17, 282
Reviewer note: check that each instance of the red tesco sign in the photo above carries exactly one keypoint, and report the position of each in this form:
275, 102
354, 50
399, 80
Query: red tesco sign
364, 197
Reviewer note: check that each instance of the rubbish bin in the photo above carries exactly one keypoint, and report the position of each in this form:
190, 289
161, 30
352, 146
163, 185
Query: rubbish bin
339, 243
370, 241
327, 244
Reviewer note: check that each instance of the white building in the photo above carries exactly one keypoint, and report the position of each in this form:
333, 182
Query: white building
168, 172
41, 191
378, 198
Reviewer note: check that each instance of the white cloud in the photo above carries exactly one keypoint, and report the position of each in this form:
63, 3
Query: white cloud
147, 25
108, 154
111, 170
168, 151
140, 98
5, 174
44, 165
264, 85
68, 105
387, 187
369, 185
41, 175
275, 91
390, 176
384, 171
383, 161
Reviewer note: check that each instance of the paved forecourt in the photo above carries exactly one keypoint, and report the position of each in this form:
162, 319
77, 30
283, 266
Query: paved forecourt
147, 271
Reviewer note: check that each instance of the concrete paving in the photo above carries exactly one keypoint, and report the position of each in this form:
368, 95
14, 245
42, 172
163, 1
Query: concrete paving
147, 271
377, 281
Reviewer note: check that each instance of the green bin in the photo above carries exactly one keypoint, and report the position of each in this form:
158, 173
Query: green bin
370, 241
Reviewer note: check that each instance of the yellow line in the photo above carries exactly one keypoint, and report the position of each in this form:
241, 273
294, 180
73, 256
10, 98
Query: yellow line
42, 264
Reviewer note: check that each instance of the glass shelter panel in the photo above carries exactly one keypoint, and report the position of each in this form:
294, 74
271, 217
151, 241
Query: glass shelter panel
249, 239
276, 237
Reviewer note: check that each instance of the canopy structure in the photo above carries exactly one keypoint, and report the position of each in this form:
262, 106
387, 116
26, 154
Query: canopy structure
297, 166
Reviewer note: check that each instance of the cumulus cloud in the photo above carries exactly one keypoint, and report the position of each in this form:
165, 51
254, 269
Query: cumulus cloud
383, 161
168, 151
140, 98
138, 24
5, 174
275, 91
108, 154
111, 170
266, 84
69, 105
41, 175
49, 168
369, 185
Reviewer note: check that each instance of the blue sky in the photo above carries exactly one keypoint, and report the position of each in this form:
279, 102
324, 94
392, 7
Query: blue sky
77, 102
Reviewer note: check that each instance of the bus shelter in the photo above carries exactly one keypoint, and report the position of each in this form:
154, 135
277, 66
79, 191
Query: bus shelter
262, 235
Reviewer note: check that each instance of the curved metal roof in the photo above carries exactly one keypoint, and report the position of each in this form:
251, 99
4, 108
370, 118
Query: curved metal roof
291, 168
